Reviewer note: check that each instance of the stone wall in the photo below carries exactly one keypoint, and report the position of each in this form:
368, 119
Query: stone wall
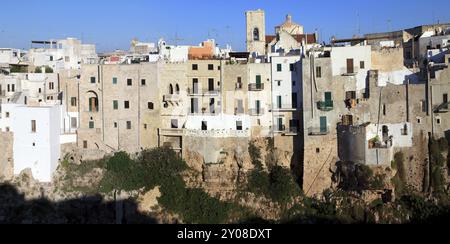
6, 156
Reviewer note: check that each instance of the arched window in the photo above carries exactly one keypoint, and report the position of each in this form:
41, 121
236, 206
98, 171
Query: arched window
177, 89
93, 101
170, 89
256, 34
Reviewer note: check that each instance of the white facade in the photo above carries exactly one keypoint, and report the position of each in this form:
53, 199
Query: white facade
358, 54
286, 82
222, 125
36, 133
11, 56
63, 54
173, 54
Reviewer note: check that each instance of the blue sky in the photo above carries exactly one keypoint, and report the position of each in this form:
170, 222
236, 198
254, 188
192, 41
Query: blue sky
111, 24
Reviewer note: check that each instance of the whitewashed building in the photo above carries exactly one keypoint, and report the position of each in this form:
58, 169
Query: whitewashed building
36, 132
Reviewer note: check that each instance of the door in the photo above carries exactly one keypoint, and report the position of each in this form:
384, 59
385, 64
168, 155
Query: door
195, 86
258, 106
210, 84
323, 124
279, 101
280, 124
258, 82
211, 106
350, 69
328, 100
445, 100
194, 105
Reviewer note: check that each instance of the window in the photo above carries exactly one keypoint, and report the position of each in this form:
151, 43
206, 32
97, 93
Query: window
128, 125
34, 144
73, 122
129, 82
93, 104
40, 90
85, 144
93, 80
33, 126
318, 72
239, 83
294, 100
294, 83
7, 114
145, 126
291, 67
115, 105
210, 66
384, 109
445, 100
279, 67
25, 100
91, 125
73, 101
7, 129
67, 58
126, 104
143, 81
256, 34
150, 106
204, 125
195, 67
238, 125
51, 85
51, 58
423, 105
115, 124
438, 121
419, 121
317, 150
8, 88
278, 82
114, 80
438, 46
174, 124
210, 84
362, 65
218, 67
13, 87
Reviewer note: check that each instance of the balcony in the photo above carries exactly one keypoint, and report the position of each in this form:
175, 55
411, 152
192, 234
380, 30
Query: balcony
349, 71
197, 92
318, 131
239, 111
325, 105
204, 112
256, 87
256, 112
171, 132
283, 108
443, 108
351, 103
172, 98
291, 131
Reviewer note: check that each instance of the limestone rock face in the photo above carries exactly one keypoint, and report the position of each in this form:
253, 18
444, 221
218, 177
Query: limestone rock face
194, 160
149, 200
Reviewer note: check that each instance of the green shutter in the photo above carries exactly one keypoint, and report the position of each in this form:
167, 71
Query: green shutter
258, 80
323, 124
115, 80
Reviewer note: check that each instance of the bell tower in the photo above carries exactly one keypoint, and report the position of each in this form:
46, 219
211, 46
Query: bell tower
256, 31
